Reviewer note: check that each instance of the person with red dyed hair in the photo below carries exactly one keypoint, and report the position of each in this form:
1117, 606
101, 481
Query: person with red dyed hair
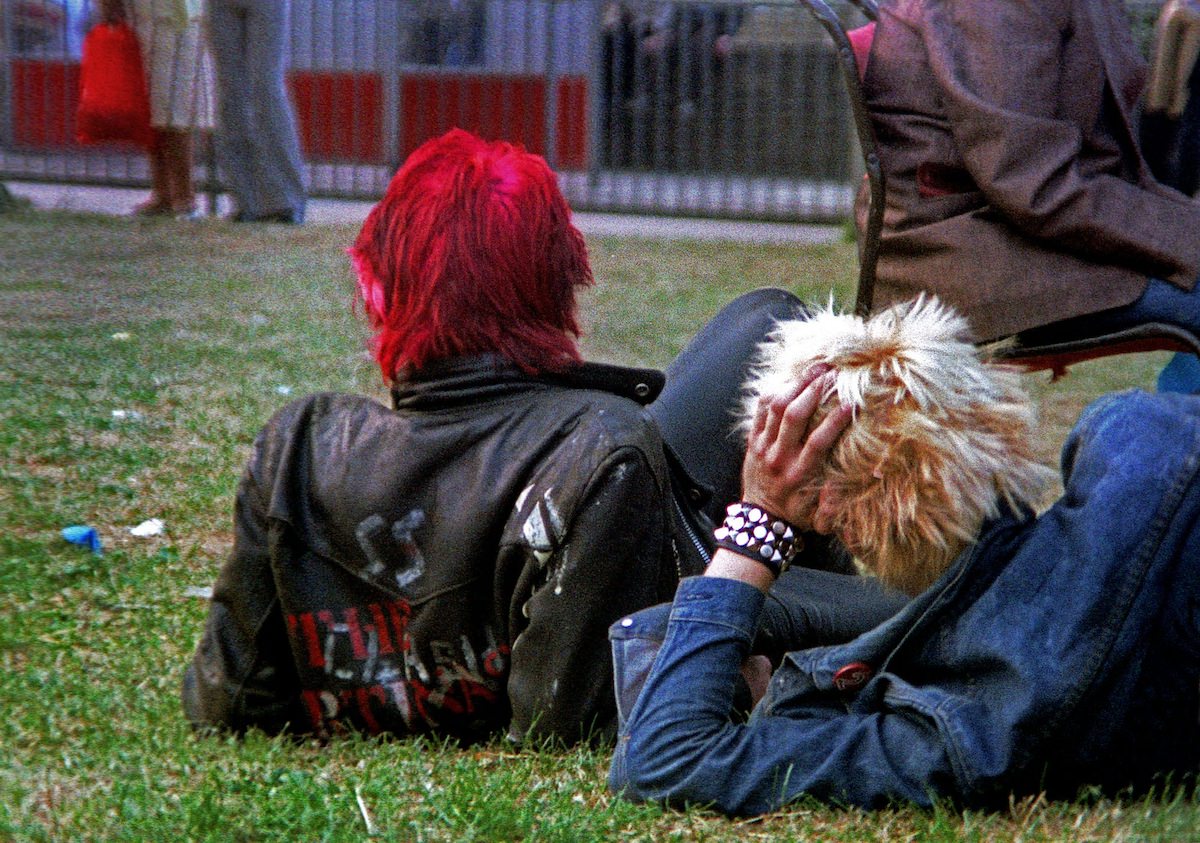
472, 251
451, 564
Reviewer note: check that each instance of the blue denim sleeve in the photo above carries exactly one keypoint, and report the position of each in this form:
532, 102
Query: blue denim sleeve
680, 746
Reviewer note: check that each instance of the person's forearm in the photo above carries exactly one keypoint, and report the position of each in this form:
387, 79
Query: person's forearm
683, 711
777, 482
734, 566
611, 561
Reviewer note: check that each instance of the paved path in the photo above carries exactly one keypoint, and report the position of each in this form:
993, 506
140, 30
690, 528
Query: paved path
120, 201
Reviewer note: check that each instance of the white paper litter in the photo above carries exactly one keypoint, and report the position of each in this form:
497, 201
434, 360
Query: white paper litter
149, 527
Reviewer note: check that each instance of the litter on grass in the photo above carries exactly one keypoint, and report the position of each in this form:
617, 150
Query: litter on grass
149, 527
84, 537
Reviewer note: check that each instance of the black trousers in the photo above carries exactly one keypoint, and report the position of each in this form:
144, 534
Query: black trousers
698, 407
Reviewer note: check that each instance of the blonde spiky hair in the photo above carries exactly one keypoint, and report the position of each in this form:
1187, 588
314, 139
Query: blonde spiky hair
940, 435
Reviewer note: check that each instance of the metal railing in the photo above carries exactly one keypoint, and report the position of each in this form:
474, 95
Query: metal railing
729, 108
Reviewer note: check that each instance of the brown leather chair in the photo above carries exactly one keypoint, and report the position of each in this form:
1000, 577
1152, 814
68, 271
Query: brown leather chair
1051, 347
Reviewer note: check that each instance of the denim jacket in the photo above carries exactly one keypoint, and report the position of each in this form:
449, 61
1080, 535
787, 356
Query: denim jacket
1057, 651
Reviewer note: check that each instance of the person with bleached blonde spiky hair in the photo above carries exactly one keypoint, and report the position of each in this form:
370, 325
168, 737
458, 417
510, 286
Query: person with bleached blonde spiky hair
942, 436
1039, 653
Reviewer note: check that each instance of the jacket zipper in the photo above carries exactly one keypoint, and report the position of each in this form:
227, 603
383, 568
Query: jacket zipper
701, 550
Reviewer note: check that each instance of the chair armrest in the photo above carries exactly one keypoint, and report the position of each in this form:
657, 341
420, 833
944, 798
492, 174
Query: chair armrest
1046, 348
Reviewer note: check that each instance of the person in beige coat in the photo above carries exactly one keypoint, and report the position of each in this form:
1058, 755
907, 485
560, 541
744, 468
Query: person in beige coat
1016, 190
180, 84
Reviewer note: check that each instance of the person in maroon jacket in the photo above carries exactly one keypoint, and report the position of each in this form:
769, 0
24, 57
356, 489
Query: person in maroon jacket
451, 564
1016, 188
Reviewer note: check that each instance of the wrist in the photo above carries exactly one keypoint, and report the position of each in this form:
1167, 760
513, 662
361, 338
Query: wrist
749, 530
734, 566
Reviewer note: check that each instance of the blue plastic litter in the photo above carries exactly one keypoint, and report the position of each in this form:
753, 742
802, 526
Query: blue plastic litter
84, 536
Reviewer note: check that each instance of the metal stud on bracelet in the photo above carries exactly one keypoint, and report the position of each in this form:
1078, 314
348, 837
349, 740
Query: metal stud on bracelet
750, 530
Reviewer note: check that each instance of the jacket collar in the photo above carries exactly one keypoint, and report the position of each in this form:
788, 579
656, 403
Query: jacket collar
444, 383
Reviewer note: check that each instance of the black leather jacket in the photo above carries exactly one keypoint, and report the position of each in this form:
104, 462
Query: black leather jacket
450, 565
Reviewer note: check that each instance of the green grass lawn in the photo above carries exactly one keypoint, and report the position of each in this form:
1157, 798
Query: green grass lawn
139, 360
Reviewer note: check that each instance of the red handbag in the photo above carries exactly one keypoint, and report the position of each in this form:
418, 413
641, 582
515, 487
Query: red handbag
114, 104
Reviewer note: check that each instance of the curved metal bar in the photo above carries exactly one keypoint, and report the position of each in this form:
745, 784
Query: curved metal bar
869, 245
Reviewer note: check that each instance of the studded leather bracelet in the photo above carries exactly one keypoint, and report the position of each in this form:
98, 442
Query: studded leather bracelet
751, 531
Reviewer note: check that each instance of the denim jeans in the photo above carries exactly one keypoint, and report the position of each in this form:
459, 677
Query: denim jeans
1058, 651
1161, 301
257, 144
